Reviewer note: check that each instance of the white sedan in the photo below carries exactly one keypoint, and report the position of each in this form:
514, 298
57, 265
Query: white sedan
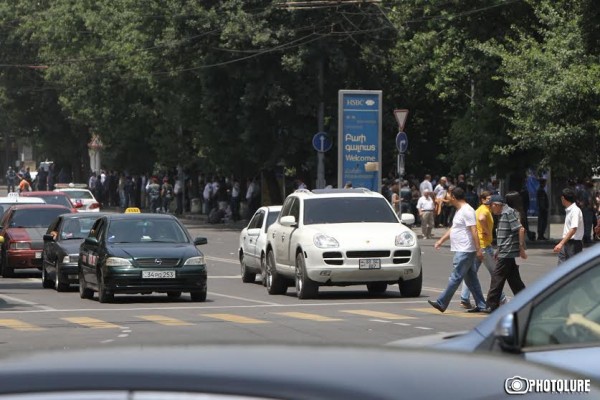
253, 242
83, 199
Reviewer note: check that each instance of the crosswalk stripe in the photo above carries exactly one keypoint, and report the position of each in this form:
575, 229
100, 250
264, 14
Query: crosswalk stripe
460, 314
310, 317
91, 323
377, 314
19, 325
239, 319
162, 320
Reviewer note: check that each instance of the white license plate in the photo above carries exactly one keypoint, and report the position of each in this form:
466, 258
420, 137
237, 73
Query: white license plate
369, 263
38, 254
158, 274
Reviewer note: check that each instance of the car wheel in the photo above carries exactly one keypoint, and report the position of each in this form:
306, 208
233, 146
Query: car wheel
411, 287
377, 287
174, 295
305, 287
263, 270
275, 283
59, 283
7, 271
247, 276
104, 296
198, 295
46, 283
84, 292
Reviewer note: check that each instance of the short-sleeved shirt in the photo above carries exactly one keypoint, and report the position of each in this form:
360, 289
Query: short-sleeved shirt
484, 241
425, 204
507, 234
574, 219
461, 238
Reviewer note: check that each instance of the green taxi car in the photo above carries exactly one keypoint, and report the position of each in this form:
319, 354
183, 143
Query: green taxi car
141, 253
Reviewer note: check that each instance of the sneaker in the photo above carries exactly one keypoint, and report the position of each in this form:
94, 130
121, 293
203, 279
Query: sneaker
436, 305
466, 304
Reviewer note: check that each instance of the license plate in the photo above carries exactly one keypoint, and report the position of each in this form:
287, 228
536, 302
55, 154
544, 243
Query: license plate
158, 274
369, 263
38, 254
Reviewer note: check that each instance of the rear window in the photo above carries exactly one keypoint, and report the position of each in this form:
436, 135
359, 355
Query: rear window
340, 210
59, 200
79, 194
35, 218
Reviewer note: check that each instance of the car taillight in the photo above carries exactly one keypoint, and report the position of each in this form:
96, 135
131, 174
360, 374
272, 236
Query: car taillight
19, 246
93, 206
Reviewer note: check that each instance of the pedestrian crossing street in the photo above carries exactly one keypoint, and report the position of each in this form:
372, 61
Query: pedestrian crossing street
340, 316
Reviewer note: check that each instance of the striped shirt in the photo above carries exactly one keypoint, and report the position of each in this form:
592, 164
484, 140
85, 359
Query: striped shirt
507, 234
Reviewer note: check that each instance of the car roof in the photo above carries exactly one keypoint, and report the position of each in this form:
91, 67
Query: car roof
21, 200
80, 215
41, 193
271, 208
137, 216
38, 206
71, 189
332, 193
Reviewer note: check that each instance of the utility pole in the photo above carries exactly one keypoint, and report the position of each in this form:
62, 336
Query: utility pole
321, 124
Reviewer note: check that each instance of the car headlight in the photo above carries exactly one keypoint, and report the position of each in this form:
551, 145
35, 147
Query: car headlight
199, 260
20, 246
405, 239
117, 262
323, 241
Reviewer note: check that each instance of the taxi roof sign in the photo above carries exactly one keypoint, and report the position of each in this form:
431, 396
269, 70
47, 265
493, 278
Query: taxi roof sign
130, 210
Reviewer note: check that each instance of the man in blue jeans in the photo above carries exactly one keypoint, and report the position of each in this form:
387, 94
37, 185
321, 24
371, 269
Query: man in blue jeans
464, 242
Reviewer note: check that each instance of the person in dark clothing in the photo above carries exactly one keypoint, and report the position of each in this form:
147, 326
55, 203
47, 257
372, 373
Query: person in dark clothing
543, 208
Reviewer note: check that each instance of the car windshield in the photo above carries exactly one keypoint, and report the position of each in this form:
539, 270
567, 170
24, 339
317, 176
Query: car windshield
340, 210
35, 217
79, 194
76, 228
60, 200
146, 231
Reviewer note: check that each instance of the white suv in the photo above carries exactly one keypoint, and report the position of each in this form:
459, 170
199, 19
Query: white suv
340, 237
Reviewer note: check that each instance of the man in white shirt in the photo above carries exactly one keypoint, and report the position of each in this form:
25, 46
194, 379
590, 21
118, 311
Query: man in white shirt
572, 238
426, 185
464, 242
426, 208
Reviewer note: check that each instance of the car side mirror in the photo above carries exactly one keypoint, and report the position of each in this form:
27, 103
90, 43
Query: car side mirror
48, 238
407, 219
91, 241
506, 333
288, 220
200, 240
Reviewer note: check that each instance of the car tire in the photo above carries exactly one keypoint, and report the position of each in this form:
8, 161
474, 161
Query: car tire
198, 295
305, 287
46, 283
377, 287
84, 292
173, 295
247, 276
104, 296
59, 284
411, 287
275, 283
263, 269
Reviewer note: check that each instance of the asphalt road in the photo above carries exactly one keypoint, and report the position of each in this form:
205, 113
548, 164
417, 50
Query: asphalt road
34, 319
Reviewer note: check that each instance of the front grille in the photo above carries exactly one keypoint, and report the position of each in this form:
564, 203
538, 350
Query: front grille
368, 254
333, 258
157, 262
402, 256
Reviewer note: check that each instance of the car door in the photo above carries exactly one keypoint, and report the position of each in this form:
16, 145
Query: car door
284, 242
90, 251
49, 253
250, 238
276, 232
563, 328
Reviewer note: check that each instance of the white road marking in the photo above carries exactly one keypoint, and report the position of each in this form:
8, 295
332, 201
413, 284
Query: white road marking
380, 320
225, 260
424, 328
225, 277
108, 341
26, 302
402, 324
244, 299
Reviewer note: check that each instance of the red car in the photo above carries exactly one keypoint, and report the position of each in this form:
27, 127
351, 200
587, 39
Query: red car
22, 228
58, 198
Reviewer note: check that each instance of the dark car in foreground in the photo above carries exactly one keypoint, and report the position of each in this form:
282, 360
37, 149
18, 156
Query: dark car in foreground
22, 228
61, 249
219, 372
141, 253
555, 320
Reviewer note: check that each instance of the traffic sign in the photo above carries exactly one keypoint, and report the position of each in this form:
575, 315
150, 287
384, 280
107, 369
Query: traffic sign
321, 142
401, 116
402, 142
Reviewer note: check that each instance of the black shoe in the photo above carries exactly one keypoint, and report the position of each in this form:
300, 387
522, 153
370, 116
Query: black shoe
542, 238
435, 305
466, 304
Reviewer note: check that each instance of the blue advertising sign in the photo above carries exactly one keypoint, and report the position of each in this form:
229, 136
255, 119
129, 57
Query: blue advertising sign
322, 142
359, 142
402, 142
